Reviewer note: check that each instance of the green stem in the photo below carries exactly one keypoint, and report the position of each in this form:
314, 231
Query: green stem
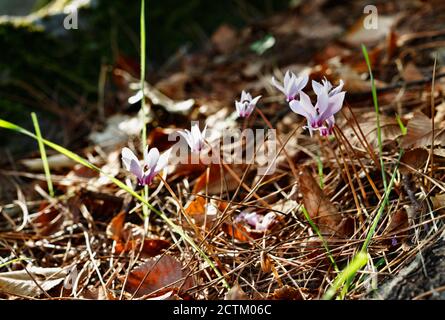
43, 154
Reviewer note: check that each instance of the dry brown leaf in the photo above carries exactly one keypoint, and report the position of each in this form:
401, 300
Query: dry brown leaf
115, 227
150, 248
48, 221
217, 183
158, 138
321, 210
438, 201
21, 283
390, 129
414, 158
399, 221
158, 273
285, 293
420, 131
130, 239
239, 232
196, 208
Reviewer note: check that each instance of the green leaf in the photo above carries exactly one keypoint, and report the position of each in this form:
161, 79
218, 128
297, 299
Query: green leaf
263, 45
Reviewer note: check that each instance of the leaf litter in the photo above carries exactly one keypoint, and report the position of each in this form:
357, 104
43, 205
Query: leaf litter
252, 227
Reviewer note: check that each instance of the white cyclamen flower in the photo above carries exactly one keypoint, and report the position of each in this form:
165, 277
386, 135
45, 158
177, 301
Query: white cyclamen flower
153, 164
292, 85
245, 106
194, 137
320, 114
327, 86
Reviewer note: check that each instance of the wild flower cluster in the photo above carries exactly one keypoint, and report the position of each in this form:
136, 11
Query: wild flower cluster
321, 117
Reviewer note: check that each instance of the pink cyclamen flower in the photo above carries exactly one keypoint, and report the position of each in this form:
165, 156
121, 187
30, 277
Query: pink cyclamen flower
152, 165
194, 137
327, 85
323, 112
292, 85
245, 106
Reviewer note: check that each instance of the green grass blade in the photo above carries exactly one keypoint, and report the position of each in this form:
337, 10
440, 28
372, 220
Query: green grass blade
382, 205
12, 261
320, 171
11, 126
377, 113
317, 231
43, 154
348, 273
403, 128
358, 262
143, 105
142, 80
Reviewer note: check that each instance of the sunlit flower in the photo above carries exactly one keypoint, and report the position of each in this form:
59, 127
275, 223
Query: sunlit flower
245, 106
292, 85
327, 86
152, 165
194, 137
321, 116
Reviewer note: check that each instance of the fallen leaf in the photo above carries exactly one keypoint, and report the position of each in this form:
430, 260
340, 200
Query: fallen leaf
285, 293
158, 273
115, 227
321, 210
158, 138
240, 232
150, 248
420, 132
201, 212
48, 221
130, 239
21, 283
438, 201
390, 129
98, 293
196, 208
414, 158
216, 182
398, 221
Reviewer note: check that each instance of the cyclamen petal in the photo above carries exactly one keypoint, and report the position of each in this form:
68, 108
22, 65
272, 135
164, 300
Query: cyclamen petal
195, 138
127, 157
246, 105
292, 85
151, 157
153, 164
334, 105
329, 102
163, 160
